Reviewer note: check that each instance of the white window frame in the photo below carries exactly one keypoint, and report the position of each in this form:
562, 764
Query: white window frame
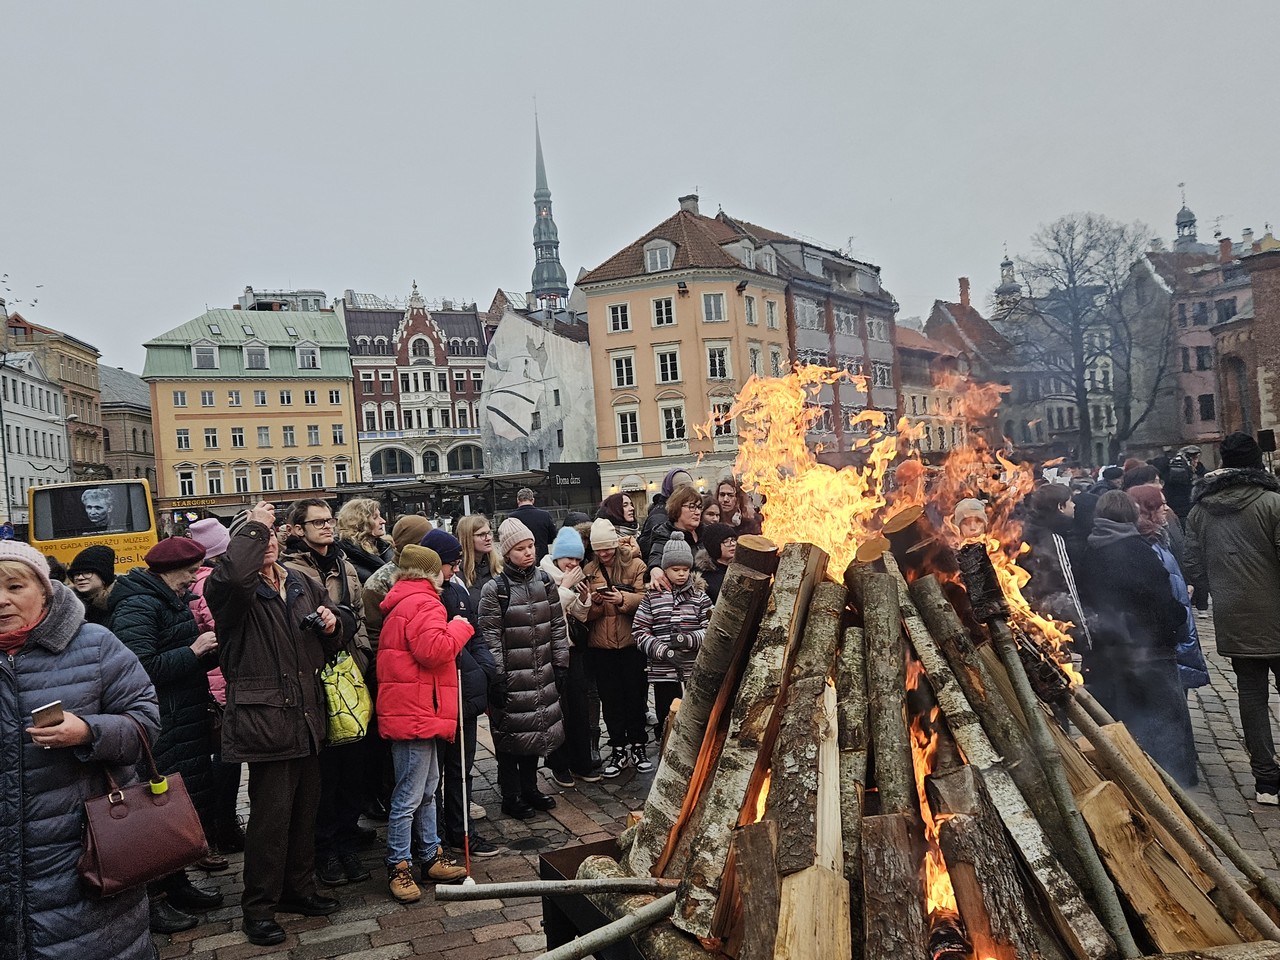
313, 434
213, 482
317, 476
179, 398
340, 472
197, 349
182, 439
338, 433
307, 352
309, 398
755, 359
335, 396
286, 398
667, 424
207, 398
267, 476
633, 413
771, 314
658, 256
724, 370
240, 477
775, 361
709, 299
233, 398
259, 398
237, 434
288, 436
186, 483
619, 315
721, 424
614, 357
663, 350
211, 438
250, 349
749, 308
659, 318
264, 433
291, 479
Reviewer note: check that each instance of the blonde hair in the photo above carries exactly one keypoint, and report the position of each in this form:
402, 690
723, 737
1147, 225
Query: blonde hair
355, 517
411, 573
467, 527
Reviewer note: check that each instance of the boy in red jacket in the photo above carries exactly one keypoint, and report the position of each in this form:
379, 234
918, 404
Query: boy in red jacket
417, 704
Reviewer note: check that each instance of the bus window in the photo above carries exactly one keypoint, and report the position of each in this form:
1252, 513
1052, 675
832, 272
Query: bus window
65, 518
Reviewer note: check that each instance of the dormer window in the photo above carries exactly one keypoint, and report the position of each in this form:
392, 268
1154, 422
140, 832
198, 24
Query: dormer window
204, 356
215, 330
248, 330
292, 331
308, 357
256, 356
658, 255
768, 262
748, 256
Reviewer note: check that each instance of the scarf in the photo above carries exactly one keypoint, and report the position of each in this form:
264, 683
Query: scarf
13, 642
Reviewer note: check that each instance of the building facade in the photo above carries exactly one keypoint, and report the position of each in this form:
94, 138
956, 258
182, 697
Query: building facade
33, 413
251, 405
924, 366
1248, 347
128, 436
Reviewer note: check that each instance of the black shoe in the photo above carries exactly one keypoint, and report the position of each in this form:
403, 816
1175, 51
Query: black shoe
351, 866
317, 905
166, 918
540, 801
330, 873
518, 809
264, 933
185, 895
563, 778
480, 847
594, 775
377, 810
228, 836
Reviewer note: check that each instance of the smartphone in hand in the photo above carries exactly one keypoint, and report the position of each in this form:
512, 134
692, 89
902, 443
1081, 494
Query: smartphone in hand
50, 715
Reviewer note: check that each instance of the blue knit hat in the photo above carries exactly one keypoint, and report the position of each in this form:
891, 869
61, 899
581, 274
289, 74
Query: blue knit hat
443, 543
568, 543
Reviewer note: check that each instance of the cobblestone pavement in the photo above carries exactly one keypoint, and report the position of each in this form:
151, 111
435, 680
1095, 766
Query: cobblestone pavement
370, 926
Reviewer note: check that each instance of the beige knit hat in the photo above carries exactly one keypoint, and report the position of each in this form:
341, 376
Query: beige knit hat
603, 535
511, 533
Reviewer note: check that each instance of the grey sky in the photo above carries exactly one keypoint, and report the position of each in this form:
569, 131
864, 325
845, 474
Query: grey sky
157, 157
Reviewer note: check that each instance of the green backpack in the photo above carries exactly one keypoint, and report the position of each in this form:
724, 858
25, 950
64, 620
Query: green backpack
347, 700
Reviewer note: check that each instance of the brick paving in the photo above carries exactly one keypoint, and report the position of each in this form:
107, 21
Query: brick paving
370, 926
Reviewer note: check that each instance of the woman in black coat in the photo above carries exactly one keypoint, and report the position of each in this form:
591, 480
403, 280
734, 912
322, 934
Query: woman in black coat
1134, 622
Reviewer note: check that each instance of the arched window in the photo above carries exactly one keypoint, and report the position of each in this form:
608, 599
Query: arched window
391, 463
146, 448
420, 348
135, 439
466, 460
430, 462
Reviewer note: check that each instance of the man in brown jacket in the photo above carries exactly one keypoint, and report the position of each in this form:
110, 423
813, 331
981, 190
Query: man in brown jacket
614, 579
275, 715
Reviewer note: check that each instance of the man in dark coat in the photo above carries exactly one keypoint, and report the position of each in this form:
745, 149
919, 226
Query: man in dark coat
1233, 555
275, 715
539, 522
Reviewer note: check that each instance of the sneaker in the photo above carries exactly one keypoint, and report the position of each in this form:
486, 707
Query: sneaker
639, 759
480, 847
400, 881
353, 868
563, 778
1270, 799
331, 874
617, 762
442, 869
476, 812
594, 776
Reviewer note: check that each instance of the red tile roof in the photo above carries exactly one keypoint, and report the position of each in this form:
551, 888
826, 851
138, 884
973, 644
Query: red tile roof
908, 339
974, 328
697, 241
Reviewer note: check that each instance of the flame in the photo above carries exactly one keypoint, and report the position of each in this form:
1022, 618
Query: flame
762, 798
939, 895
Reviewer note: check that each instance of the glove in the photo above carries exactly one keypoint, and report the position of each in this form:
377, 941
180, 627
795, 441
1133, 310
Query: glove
562, 679
498, 693
669, 653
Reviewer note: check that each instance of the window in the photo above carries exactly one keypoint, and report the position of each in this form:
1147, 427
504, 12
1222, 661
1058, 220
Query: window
624, 370
555, 398
264, 436
287, 437
1188, 410
1206, 407
628, 427
524, 460
664, 312
775, 361
1226, 309
213, 482
1186, 360
184, 439
237, 437
771, 314
718, 363
560, 439
286, 398
756, 360
205, 358
233, 398
722, 425
768, 263
242, 479
1200, 315
444, 419
467, 459
673, 422
420, 348
308, 358
713, 307
389, 418
366, 382
206, 398
259, 398
317, 475
750, 308
339, 434
881, 374
1204, 358
313, 434
186, 483
667, 360
657, 256
619, 318
255, 358
215, 329
179, 398
309, 397
335, 396
291, 479
808, 316
371, 418
391, 463
846, 321
459, 381
1182, 314
267, 474
211, 438
878, 329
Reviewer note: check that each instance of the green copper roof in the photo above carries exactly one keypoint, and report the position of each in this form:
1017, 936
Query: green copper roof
282, 332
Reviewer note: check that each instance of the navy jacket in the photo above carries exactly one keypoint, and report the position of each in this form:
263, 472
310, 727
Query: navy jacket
475, 661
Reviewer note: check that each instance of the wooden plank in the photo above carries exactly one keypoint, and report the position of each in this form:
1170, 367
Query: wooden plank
1175, 913
759, 888
893, 906
813, 919
1262, 950
830, 815
748, 746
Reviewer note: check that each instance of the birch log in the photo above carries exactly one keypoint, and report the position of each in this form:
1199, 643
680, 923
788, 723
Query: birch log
896, 927
660, 942
887, 691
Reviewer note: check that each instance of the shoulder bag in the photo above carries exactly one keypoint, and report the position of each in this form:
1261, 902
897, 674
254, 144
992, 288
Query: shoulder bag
347, 701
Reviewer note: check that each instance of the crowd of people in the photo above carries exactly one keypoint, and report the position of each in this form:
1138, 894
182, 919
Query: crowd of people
216, 646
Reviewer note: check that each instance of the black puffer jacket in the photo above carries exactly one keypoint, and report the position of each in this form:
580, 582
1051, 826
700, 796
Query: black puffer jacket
529, 642
658, 541
474, 660
1126, 591
159, 627
367, 563
44, 911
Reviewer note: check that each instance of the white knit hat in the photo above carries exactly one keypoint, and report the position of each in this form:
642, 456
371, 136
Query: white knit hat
603, 535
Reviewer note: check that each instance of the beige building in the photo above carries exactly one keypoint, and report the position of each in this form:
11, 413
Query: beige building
678, 321
251, 404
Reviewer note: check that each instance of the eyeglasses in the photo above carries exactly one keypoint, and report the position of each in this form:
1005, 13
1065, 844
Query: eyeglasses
483, 533
327, 522
693, 506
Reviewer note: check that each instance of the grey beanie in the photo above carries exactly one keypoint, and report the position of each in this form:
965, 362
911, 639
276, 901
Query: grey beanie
677, 553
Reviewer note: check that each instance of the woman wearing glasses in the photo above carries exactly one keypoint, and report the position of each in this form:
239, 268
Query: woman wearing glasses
481, 561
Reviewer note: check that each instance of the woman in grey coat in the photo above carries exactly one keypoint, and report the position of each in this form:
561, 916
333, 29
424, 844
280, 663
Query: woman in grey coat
523, 625
48, 653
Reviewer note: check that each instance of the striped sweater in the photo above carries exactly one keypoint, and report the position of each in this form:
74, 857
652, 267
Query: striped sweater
670, 626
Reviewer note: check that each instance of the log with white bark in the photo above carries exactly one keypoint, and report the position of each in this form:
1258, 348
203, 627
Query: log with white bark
887, 692
895, 924
661, 941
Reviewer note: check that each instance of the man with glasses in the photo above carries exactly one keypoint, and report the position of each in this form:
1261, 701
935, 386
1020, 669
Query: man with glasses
313, 551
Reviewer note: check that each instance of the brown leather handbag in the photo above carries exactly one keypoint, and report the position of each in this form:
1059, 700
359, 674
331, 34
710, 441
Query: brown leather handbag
138, 834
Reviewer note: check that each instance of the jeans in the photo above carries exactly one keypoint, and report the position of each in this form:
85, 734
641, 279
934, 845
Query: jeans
413, 801
624, 693
1253, 678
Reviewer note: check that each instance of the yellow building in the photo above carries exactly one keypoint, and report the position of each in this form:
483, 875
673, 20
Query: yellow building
251, 405
678, 321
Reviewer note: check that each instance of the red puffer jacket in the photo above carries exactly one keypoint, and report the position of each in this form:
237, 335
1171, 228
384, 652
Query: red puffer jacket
417, 679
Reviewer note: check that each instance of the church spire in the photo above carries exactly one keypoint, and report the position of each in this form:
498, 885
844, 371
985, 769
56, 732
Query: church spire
550, 283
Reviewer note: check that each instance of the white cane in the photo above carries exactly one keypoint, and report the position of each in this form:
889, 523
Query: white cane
468, 881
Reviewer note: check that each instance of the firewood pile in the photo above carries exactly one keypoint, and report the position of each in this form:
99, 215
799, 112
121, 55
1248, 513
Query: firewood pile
855, 772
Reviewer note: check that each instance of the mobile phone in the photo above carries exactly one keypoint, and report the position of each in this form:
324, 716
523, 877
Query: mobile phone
50, 715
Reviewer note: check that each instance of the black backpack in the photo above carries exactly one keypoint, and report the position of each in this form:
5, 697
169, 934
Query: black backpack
1180, 472
504, 589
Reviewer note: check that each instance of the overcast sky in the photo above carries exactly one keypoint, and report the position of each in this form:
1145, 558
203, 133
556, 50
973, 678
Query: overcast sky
155, 158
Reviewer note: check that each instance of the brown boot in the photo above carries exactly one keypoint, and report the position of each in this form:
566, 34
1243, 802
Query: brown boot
442, 869
400, 881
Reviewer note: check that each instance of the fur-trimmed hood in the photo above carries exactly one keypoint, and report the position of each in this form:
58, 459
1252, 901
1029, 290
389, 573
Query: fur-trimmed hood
1231, 489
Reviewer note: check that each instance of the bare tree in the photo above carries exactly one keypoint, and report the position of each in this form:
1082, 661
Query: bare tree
1084, 322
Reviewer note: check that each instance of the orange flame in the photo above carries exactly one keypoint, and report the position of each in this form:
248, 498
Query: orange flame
939, 895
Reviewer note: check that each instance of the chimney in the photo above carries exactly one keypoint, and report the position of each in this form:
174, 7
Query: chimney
964, 292
1224, 250
1246, 238
689, 203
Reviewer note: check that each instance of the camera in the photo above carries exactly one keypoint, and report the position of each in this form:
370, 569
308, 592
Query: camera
312, 621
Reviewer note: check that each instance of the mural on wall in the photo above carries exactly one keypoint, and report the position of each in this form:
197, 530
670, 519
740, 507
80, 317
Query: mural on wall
529, 369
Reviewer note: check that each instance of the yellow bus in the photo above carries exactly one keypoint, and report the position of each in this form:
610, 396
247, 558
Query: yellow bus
67, 517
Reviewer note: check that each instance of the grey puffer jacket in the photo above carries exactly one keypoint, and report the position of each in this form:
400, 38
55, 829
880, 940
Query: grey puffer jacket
44, 911
1233, 555
529, 643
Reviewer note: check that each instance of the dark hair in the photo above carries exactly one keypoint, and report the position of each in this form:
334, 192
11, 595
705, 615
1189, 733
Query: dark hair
1139, 476
679, 497
611, 509
1045, 501
1116, 505
298, 512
